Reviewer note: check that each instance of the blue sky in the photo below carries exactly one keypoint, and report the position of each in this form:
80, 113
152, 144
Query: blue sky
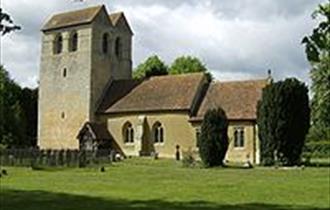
236, 39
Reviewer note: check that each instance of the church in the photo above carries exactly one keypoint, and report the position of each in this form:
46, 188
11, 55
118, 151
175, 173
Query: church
89, 100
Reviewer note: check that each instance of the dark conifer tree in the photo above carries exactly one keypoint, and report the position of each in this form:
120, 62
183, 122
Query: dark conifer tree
213, 141
283, 119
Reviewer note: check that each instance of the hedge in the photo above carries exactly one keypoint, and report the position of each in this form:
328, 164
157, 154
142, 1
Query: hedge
319, 149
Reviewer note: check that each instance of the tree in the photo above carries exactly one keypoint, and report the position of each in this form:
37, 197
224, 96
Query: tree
317, 48
18, 113
152, 66
12, 128
320, 75
6, 23
29, 104
213, 141
317, 45
187, 64
283, 119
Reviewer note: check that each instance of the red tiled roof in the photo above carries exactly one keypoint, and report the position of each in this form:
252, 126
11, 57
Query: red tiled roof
159, 93
72, 18
115, 17
238, 99
116, 91
99, 131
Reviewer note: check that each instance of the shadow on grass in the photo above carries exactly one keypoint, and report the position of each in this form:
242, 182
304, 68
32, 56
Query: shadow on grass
31, 200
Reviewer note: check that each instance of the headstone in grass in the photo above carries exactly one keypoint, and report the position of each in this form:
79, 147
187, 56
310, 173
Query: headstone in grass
4, 172
177, 152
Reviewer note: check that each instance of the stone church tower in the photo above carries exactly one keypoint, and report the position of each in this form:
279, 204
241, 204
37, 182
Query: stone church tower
82, 52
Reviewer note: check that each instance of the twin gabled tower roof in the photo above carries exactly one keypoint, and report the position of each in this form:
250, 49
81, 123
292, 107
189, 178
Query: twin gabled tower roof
81, 17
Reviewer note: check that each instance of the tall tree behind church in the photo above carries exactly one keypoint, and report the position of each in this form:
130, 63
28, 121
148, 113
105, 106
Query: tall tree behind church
152, 66
187, 64
317, 48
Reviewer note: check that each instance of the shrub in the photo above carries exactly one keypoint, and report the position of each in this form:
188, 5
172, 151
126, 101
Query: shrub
320, 149
318, 133
188, 159
213, 141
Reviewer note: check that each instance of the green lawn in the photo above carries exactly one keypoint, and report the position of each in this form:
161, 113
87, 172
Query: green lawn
145, 184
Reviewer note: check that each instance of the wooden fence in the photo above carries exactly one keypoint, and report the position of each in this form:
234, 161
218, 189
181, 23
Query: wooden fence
54, 158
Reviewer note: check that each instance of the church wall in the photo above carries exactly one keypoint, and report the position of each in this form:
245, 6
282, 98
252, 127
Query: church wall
177, 131
124, 61
67, 102
247, 152
107, 65
102, 63
64, 101
250, 150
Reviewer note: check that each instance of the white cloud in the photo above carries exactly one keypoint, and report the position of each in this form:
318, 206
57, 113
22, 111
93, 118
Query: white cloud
235, 39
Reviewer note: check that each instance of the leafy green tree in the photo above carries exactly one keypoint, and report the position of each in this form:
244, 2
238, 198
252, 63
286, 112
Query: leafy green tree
213, 141
317, 48
187, 64
283, 119
12, 128
317, 45
152, 66
320, 75
29, 104
18, 113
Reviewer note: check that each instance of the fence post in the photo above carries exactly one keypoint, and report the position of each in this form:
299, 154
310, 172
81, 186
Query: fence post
61, 157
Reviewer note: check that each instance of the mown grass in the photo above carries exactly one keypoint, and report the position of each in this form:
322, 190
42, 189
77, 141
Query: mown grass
163, 184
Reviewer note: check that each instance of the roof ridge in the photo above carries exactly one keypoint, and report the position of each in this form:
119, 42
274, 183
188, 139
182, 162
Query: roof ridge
116, 13
73, 17
178, 75
115, 16
239, 81
80, 10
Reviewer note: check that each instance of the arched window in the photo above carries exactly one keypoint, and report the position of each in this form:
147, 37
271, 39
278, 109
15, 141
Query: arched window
58, 44
105, 43
73, 43
128, 133
118, 47
239, 137
158, 133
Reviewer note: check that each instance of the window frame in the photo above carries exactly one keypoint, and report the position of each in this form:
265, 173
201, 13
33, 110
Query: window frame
58, 44
128, 133
64, 72
105, 43
118, 47
73, 42
158, 133
239, 137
